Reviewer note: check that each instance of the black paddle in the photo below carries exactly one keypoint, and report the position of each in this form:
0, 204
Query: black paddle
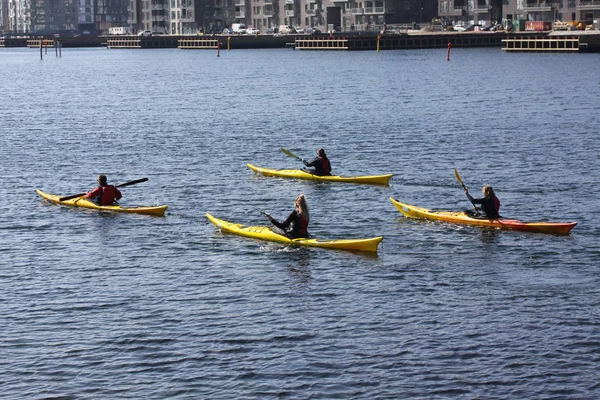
463, 186
121, 185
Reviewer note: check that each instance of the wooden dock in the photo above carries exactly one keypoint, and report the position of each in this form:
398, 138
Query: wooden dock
198, 43
542, 43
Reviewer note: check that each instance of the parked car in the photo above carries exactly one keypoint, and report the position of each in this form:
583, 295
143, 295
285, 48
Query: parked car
472, 27
226, 32
146, 32
271, 31
459, 28
299, 31
252, 31
312, 31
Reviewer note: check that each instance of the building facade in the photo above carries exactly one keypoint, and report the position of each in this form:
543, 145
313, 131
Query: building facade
485, 11
181, 17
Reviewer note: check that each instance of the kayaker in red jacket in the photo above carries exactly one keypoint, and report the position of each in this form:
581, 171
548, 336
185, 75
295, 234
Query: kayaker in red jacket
490, 204
296, 224
321, 164
104, 194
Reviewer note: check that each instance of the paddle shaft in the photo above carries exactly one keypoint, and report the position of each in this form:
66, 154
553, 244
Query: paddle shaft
463, 186
121, 185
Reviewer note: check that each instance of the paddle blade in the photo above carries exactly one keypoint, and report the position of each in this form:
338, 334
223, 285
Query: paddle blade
133, 182
459, 179
289, 153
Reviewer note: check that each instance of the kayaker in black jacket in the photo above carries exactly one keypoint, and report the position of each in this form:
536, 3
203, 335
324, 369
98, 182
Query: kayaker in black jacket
490, 205
296, 224
321, 164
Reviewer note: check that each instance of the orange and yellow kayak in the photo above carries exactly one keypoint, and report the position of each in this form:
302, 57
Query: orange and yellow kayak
83, 202
301, 174
266, 233
461, 217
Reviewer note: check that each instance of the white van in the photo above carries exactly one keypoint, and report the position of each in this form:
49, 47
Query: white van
239, 28
286, 29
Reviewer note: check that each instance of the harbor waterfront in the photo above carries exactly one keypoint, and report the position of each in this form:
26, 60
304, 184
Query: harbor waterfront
584, 41
112, 305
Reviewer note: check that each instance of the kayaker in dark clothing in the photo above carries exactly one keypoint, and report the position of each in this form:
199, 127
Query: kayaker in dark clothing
296, 224
104, 194
321, 164
490, 205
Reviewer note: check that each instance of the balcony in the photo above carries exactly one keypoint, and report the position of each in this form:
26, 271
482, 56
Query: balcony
374, 10
268, 1
589, 5
289, 13
240, 14
535, 7
268, 13
240, 2
359, 11
289, 1
311, 12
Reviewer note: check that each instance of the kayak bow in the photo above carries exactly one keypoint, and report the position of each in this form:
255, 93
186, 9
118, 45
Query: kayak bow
266, 233
301, 174
463, 218
83, 202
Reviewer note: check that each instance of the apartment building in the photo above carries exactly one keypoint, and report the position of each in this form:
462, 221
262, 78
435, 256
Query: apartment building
3, 15
484, 11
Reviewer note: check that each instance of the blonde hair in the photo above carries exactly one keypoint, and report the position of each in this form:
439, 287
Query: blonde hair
302, 206
488, 191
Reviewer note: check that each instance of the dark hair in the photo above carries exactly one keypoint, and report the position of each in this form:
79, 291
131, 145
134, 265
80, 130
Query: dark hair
321, 152
102, 179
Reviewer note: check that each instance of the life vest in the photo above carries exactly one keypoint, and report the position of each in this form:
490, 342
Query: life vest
497, 204
108, 195
326, 165
302, 229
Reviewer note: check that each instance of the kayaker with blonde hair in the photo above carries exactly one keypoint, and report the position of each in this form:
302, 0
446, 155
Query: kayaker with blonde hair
490, 204
321, 164
104, 194
296, 224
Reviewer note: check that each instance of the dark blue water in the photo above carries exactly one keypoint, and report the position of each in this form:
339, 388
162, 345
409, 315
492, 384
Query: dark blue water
124, 306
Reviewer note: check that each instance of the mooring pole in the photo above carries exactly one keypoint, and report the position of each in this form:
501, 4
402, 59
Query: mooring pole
41, 54
219, 49
449, 47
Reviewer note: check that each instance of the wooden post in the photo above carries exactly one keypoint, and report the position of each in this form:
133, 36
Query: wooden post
449, 47
219, 49
41, 54
60, 48
378, 39
228, 44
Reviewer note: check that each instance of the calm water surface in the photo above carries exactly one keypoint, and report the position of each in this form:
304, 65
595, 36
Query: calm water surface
124, 306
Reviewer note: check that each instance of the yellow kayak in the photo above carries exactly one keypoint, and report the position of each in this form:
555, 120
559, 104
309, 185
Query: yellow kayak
83, 202
300, 174
266, 233
461, 217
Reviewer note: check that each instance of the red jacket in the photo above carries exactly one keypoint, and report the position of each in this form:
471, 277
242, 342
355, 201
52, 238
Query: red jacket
105, 195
